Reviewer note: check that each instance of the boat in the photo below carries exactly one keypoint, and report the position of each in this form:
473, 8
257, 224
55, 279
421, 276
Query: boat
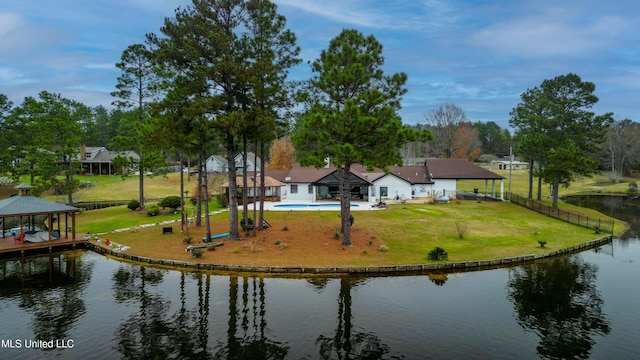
213, 237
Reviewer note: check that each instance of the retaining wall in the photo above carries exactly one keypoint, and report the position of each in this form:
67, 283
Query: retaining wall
364, 270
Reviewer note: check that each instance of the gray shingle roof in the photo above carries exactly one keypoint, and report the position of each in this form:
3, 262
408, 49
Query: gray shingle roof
23, 205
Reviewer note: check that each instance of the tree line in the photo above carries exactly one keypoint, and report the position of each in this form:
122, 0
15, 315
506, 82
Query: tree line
215, 78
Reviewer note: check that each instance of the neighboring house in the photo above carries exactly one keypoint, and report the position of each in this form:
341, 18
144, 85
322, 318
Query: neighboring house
218, 163
98, 160
438, 178
508, 165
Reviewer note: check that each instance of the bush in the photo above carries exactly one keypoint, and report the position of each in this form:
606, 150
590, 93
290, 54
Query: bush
277, 242
172, 202
337, 235
133, 205
221, 199
187, 240
438, 254
197, 253
153, 210
283, 245
542, 243
248, 225
383, 248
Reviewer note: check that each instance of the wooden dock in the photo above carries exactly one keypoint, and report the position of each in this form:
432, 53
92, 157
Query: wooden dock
10, 249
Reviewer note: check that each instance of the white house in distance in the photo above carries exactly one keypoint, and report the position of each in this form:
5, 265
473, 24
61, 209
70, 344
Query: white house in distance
508, 165
436, 179
218, 163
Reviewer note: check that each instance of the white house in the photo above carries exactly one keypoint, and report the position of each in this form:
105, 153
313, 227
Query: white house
438, 178
218, 163
508, 165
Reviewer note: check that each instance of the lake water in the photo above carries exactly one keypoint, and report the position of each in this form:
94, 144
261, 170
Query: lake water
579, 306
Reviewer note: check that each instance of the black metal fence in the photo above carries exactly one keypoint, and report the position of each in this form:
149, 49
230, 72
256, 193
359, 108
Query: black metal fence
597, 224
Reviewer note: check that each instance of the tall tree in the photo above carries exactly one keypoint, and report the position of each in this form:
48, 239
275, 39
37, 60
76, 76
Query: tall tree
137, 87
443, 123
6, 143
622, 150
495, 140
54, 122
352, 116
221, 51
466, 144
567, 135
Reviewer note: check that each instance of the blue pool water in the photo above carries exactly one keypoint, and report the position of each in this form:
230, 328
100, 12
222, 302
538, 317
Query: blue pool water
311, 206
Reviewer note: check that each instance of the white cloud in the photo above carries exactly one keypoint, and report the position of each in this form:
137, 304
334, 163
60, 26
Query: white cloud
555, 31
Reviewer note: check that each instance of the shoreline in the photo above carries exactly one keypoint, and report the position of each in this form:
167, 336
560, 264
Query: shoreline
472, 265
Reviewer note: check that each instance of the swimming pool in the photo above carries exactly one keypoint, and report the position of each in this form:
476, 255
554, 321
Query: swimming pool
311, 206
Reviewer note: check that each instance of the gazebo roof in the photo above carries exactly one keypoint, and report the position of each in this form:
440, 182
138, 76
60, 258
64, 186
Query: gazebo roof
268, 182
31, 205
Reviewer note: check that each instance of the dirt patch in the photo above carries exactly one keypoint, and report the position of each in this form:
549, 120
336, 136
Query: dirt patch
297, 244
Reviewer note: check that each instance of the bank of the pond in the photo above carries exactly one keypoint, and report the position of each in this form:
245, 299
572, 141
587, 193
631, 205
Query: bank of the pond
369, 270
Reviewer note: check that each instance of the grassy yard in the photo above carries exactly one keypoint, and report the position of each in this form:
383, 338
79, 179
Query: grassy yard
467, 230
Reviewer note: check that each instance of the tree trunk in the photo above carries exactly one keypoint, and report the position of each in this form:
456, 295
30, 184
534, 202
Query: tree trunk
199, 196
530, 180
539, 188
234, 234
345, 204
262, 185
182, 219
141, 182
554, 193
205, 186
245, 192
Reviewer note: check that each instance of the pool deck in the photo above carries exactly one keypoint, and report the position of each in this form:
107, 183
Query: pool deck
317, 206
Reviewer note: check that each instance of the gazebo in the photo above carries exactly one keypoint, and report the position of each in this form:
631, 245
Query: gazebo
272, 188
27, 207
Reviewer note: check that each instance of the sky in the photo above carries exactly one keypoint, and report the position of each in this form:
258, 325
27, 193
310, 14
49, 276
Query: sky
477, 54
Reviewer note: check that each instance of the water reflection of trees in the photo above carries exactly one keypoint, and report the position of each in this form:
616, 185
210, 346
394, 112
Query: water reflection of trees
246, 335
346, 342
51, 288
558, 300
153, 332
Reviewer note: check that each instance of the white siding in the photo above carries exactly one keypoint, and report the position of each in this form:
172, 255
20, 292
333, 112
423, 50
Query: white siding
444, 187
395, 186
301, 195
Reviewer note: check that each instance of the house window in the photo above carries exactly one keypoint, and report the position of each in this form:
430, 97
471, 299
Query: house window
87, 155
384, 191
294, 188
310, 189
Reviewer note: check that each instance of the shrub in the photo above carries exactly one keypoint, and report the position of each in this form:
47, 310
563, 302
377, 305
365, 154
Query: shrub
383, 248
542, 243
172, 202
285, 228
211, 247
197, 253
153, 210
187, 240
337, 235
221, 199
133, 205
248, 225
283, 245
365, 252
277, 242
237, 250
438, 254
